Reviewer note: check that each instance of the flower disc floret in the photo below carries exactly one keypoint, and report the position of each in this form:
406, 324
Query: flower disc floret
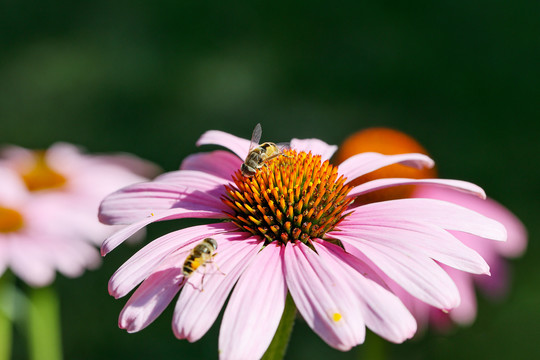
41, 176
10, 220
295, 196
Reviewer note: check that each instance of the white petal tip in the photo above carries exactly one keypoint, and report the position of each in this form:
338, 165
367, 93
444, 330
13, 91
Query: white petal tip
500, 233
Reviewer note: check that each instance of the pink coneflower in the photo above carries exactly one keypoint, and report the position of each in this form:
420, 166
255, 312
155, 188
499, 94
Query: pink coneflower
290, 229
390, 141
48, 208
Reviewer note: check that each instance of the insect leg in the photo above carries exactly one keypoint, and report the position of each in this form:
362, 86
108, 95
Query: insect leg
216, 265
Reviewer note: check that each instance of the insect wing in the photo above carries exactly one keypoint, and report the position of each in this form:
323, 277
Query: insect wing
282, 146
255, 137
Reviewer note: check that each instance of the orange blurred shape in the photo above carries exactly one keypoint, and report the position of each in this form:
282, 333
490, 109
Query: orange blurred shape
10, 220
389, 142
41, 176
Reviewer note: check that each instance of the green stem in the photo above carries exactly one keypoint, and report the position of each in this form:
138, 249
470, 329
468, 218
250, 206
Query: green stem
6, 315
279, 343
44, 336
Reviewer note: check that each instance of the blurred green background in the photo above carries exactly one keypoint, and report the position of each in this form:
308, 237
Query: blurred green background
150, 77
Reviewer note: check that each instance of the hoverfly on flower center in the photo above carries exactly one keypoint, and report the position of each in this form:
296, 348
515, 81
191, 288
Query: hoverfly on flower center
258, 155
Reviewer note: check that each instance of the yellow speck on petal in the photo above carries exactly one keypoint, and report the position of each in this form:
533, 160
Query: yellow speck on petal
10, 220
336, 317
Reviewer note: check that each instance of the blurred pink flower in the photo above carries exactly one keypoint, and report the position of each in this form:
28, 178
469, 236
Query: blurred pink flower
494, 253
48, 208
291, 229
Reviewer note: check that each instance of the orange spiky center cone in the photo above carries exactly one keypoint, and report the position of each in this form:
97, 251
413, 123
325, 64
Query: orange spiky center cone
294, 197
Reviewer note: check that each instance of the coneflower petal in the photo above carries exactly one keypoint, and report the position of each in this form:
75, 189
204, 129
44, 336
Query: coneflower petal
194, 179
234, 143
255, 307
427, 239
419, 275
119, 237
437, 212
316, 146
378, 184
138, 201
465, 313
30, 262
196, 310
219, 163
364, 163
383, 312
323, 297
74, 258
142, 264
154, 294
517, 233
12, 191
